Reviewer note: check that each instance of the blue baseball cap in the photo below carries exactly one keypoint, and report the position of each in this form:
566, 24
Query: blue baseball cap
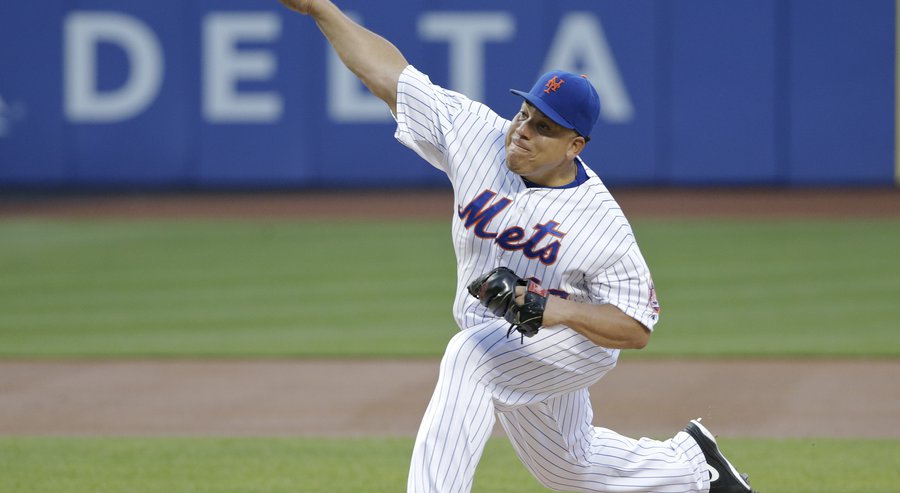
568, 99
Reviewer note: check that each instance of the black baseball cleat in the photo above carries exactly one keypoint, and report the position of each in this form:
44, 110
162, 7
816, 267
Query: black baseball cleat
723, 477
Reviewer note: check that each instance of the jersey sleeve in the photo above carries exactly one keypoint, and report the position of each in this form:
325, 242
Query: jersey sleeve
424, 115
627, 285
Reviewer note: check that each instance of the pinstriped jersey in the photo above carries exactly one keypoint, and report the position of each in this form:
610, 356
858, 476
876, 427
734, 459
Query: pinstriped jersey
576, 242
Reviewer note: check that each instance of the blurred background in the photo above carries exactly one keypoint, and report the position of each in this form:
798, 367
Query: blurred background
243, 94
739, 109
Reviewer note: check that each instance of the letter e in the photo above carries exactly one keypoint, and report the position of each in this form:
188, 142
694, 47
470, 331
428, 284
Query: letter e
224, 66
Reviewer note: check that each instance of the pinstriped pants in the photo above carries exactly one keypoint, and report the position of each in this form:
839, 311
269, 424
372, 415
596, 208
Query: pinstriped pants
539, 392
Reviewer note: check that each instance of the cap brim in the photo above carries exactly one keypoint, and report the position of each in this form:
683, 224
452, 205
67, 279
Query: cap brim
545, 108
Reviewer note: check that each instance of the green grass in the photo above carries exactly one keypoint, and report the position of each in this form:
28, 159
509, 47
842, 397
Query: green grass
382, 289
224, 288
793, 288
373, 465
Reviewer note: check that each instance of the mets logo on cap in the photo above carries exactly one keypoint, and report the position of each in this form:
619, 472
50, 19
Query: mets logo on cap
554, 84
568, 99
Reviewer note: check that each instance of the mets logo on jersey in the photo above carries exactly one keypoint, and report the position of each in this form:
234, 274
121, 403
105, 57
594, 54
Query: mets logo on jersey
477, 215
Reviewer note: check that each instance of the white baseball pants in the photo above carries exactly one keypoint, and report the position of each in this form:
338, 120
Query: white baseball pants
539, 391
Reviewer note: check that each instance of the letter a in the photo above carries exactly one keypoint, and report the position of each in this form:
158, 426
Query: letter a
580, 42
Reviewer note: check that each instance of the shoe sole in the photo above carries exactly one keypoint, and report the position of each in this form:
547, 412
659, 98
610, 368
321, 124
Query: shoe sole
721, 458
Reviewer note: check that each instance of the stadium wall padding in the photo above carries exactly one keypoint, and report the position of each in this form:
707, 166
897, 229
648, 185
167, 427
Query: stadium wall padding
246, 94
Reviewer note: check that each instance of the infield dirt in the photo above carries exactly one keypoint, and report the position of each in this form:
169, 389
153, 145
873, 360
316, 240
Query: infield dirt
385, 398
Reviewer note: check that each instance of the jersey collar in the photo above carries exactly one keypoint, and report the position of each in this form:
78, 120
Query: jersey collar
581, 176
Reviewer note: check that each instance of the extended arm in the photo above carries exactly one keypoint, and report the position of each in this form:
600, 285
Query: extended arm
528, 307
375, 60
604, 325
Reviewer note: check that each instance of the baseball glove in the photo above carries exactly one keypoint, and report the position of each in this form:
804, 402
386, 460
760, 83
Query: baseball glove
496, 291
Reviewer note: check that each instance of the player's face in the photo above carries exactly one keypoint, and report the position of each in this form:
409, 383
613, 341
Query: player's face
538, 149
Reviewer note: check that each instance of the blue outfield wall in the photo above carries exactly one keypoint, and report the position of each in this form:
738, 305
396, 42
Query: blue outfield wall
241, 93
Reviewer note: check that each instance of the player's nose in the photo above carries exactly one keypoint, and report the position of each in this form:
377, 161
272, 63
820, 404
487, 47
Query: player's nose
524, 131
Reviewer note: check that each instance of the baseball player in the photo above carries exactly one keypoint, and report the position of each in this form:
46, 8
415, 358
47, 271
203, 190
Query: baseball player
551, 285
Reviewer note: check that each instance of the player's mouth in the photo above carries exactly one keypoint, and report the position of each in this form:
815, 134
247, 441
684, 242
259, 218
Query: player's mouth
516, 143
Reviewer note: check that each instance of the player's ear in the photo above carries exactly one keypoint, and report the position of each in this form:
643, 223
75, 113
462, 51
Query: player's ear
576, 145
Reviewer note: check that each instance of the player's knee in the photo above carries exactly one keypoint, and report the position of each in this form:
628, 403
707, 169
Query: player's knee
461, 346
466, 350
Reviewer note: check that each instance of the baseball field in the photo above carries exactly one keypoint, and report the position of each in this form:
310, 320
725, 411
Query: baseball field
288, 342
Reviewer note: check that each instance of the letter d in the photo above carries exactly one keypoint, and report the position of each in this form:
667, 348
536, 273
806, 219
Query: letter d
83, 101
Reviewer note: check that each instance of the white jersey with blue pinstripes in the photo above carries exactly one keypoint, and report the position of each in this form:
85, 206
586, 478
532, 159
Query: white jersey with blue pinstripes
575, 241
